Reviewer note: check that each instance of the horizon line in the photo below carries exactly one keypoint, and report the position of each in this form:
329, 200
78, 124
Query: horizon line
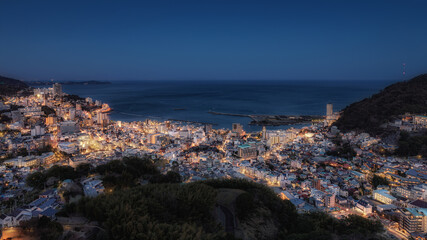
202, 80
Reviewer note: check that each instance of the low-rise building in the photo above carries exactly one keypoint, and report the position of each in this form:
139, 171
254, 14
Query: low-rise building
246, 151
363, 207
383, 196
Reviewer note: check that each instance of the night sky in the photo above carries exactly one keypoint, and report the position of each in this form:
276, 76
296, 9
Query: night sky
210, 40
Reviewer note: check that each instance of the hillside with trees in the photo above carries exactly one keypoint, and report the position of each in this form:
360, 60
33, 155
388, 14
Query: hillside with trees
201, 210
10, 86
397, 99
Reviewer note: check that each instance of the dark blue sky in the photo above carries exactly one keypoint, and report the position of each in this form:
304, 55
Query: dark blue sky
139, 40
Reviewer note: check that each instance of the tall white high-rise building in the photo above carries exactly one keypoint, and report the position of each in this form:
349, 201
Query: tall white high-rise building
330, 116
57, 89
329, 110
264, 133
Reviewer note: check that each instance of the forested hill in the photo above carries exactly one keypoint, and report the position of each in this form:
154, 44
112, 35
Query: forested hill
214, 209
397, 99
165, 208
10, 86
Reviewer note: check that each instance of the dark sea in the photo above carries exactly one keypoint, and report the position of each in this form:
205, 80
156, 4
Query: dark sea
160, 100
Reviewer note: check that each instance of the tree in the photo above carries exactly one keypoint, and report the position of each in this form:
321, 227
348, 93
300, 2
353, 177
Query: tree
42, 228
83, 169
169, 177
400, 173
4, 118
378, 180
62, 172
47, 110
359, 224
156, 211
44, 149
36, 180
22, 152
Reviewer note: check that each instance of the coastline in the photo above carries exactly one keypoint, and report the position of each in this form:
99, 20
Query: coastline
135, 101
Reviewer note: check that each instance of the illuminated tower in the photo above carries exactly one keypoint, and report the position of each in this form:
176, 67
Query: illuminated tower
57, 89
329, 110
264, 133
329, 114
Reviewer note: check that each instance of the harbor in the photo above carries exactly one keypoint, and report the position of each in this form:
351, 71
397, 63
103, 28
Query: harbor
276, 120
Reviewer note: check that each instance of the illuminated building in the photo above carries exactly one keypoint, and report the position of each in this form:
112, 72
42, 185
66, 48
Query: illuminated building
208, 128
68, 147
412, 192
93, 187
37, 131
69, 127
72, 113
27, 161
420, 120
331, 117
237, 128
57, 89
330, 200
264, 133
317, 184
383, 196
329, 110
51, 120
102, 118
246, 151
153, 138
363, 207
413, 220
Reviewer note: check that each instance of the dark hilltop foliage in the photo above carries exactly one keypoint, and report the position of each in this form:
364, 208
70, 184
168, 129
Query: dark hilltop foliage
397, 99
10, 86
212, 209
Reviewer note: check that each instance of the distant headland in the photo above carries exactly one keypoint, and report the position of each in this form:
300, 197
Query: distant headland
91, 82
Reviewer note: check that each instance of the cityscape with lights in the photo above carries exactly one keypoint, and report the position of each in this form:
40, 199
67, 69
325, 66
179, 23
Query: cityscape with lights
315, 167
213, 120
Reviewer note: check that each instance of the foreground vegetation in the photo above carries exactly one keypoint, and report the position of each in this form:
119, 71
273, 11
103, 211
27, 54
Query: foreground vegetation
115, 174
41, 228
164, 208
185, 211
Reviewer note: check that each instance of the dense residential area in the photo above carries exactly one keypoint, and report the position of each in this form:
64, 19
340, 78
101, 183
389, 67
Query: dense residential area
67, 169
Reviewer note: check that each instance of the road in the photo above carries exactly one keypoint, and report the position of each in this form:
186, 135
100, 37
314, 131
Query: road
15, 234
397, 234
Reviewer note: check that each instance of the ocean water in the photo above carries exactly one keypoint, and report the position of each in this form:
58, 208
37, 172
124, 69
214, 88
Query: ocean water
138, 100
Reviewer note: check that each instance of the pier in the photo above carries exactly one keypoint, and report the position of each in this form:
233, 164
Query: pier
229, 114
276, 120
194, 122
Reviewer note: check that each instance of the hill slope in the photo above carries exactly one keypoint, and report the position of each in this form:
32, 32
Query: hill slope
10, 86
206, 210
399, 98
